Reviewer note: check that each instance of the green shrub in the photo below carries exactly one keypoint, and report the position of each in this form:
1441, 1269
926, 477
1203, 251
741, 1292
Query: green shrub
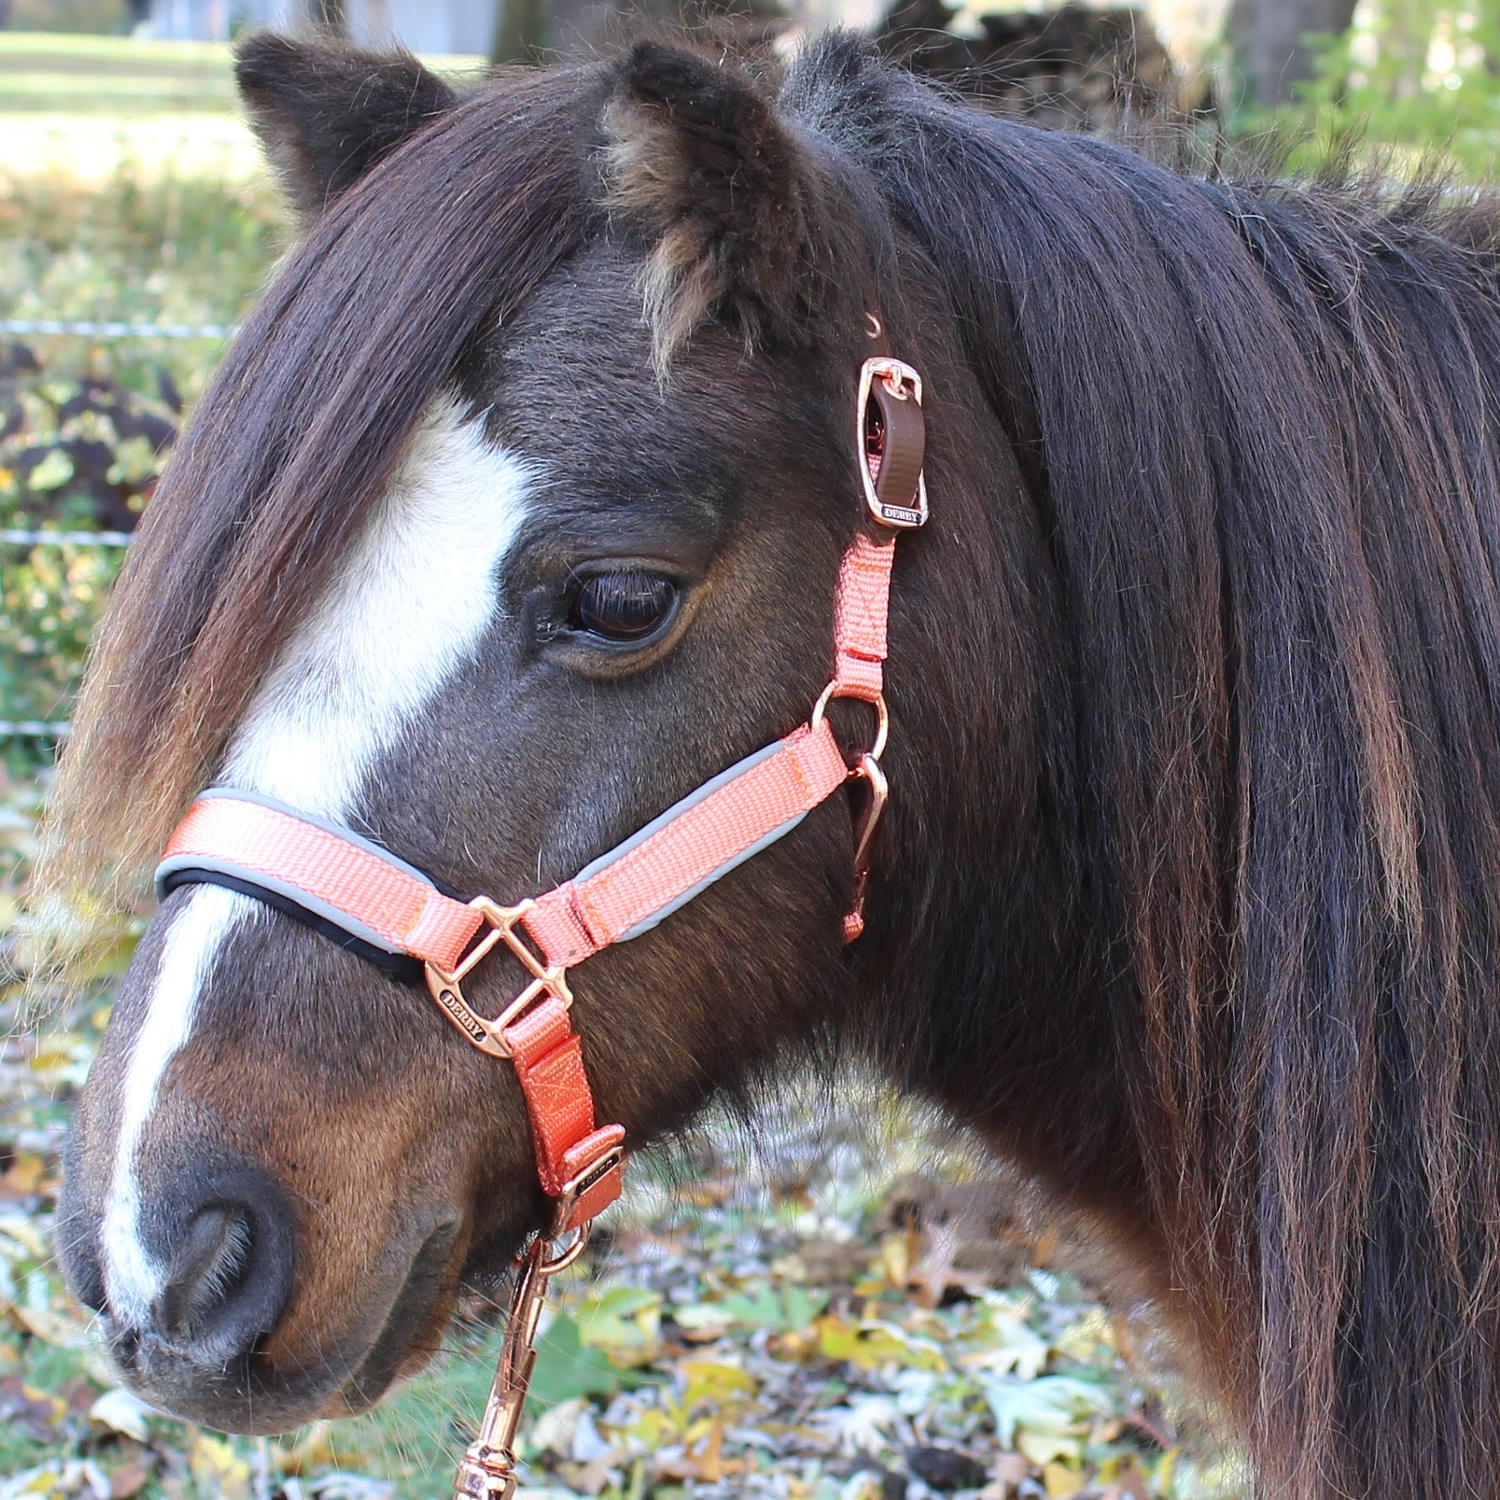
84, 424
1412, 81
111, 17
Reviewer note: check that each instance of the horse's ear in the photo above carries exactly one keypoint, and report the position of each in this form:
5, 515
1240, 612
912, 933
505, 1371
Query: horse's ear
699, 160
327, 113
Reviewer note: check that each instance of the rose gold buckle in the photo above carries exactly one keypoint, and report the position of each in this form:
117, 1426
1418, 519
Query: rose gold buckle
901, 379
903, 382
581, 1199
546, 979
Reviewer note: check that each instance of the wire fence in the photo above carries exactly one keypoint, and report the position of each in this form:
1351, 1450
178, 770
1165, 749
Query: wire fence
52, 729
79, 328
12, 537
218, 149
35, 729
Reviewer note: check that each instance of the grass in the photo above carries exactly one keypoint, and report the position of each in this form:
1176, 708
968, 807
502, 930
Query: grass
157, 241
119, 202
130, 191
103, 76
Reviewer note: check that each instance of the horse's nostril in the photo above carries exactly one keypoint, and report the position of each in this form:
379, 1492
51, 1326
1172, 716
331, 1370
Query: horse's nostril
229, 1276
86, 1276
125, 1347
205, 1271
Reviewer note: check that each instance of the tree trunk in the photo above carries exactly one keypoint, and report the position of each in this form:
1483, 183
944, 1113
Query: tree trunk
520, 32
330, 16
1266, 36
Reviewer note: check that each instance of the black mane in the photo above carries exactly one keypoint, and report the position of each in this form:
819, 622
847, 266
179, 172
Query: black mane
1261, 425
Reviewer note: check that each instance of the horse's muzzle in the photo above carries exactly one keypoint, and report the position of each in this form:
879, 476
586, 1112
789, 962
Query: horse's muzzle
214, 1344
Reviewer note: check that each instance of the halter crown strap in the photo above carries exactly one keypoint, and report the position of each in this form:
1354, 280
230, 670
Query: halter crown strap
367, 897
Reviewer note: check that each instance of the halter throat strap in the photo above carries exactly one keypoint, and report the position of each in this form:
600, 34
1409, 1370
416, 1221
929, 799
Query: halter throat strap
390, 911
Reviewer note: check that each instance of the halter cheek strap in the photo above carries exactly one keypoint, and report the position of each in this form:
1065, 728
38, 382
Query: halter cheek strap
388, 910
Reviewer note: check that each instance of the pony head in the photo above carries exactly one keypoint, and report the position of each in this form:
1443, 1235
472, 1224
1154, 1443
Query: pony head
513, 515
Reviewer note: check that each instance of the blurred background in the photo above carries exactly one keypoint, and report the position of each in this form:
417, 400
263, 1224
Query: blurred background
785, 1308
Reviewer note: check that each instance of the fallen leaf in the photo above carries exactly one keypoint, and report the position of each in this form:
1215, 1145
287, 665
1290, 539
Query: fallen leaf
1009, 1470
24, 1176
218, 1470
120, 1411
70, 1479
897, 1251
873, 1343
26, 1408
624, 1321
51, 1327
713, 1384
946, 1468
552, 1431
1060, 1481
1054, 1406
564, 1368
129, 1478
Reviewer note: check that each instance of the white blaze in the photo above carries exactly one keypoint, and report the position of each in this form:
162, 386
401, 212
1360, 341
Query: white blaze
406, 609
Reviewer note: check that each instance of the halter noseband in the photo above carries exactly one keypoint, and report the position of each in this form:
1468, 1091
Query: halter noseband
394, 914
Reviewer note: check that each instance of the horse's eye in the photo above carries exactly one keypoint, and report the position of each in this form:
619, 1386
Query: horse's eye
626, 606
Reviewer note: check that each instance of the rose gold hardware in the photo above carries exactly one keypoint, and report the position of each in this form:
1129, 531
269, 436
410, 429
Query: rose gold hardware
565, 1258
875, 330
487, 1471
546, 979
575, 1188
901, 381
898, 377
882, 718
866, 769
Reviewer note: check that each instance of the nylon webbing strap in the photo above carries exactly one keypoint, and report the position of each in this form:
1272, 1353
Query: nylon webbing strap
688, 847
861, 609
338, 878
382, 900
331, 873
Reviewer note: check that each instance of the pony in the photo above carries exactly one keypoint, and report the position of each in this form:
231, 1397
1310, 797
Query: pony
515, 512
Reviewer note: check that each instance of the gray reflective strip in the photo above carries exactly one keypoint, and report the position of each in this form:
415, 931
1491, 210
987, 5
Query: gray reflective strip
340, 918
348, 835
676, 810
343, 920
294, 893
647, 923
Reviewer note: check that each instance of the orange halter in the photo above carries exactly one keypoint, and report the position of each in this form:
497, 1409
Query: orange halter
395, 913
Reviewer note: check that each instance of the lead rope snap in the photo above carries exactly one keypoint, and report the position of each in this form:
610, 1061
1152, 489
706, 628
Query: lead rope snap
487, 1471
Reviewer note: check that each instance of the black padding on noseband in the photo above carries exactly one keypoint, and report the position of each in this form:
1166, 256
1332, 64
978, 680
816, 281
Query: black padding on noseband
403, 966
